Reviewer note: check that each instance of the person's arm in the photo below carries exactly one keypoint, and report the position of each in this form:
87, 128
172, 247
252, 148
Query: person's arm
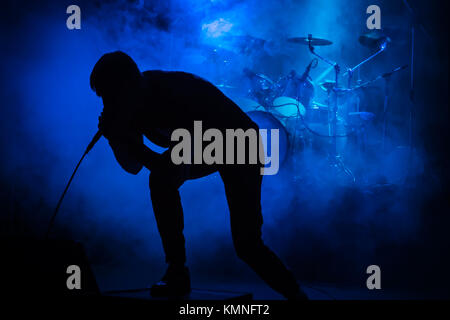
127, 145
124, 151
133, 154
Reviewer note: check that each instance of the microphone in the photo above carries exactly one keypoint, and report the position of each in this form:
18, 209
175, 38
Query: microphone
387, 74
94, 140
308, 68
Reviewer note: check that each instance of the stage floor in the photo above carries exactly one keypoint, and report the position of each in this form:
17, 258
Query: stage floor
112, 279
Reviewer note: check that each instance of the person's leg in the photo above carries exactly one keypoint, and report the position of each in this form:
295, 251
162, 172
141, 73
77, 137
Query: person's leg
164, 184
166, 202
243, 191
168, 212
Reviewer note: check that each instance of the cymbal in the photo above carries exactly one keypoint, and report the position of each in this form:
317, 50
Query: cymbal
328, 85
305, 41
251, 74
318, 105
360, 118
264, 77
374, 39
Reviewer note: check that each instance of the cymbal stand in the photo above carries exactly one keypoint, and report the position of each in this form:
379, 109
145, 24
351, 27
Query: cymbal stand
350, 71
414, 24
386, 76
336, 159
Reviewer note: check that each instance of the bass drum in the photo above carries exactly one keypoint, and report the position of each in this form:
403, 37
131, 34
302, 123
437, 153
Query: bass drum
266, 120
287, 107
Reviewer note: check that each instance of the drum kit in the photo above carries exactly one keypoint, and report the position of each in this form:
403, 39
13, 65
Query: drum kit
288, 103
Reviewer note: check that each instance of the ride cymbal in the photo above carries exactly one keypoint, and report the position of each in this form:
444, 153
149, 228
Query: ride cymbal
306, 41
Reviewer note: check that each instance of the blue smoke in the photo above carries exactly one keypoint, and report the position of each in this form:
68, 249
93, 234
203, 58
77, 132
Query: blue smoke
51, 115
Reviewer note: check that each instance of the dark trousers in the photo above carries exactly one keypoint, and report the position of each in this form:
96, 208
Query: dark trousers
243, 192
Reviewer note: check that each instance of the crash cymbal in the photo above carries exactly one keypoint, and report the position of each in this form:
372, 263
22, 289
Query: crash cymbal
374, 39
305, 41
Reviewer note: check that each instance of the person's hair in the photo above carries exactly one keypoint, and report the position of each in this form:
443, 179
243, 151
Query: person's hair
113, 70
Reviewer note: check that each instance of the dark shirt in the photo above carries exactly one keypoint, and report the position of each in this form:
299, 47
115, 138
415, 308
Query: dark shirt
177, 99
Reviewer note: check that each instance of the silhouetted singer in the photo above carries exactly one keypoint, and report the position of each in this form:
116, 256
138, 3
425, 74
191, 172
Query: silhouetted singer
154, 103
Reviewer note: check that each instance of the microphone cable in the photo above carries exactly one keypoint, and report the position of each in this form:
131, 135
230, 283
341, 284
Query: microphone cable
94, 140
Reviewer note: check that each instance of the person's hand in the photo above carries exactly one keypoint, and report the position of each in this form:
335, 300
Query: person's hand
109, 125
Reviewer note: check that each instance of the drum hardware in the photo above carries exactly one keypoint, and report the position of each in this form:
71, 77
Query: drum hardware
371, 39
327, 85
383, 75
330, 86
334, 158
288, 107
360, 118
386, 76
317, 113
294, 87
309, 41
262, 88
297, 93
289, 98
259, 76
415, 23
374, 39
312, 64
317, 105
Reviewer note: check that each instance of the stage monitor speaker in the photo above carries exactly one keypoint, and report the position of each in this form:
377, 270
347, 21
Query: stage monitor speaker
32, 267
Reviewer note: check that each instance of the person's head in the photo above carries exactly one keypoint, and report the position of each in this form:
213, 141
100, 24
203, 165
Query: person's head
115, 77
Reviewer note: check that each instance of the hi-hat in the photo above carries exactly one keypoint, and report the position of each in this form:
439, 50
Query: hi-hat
306, 41
327, 85
331, 86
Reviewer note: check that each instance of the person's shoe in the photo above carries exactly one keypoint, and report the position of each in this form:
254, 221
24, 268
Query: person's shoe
175, 282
